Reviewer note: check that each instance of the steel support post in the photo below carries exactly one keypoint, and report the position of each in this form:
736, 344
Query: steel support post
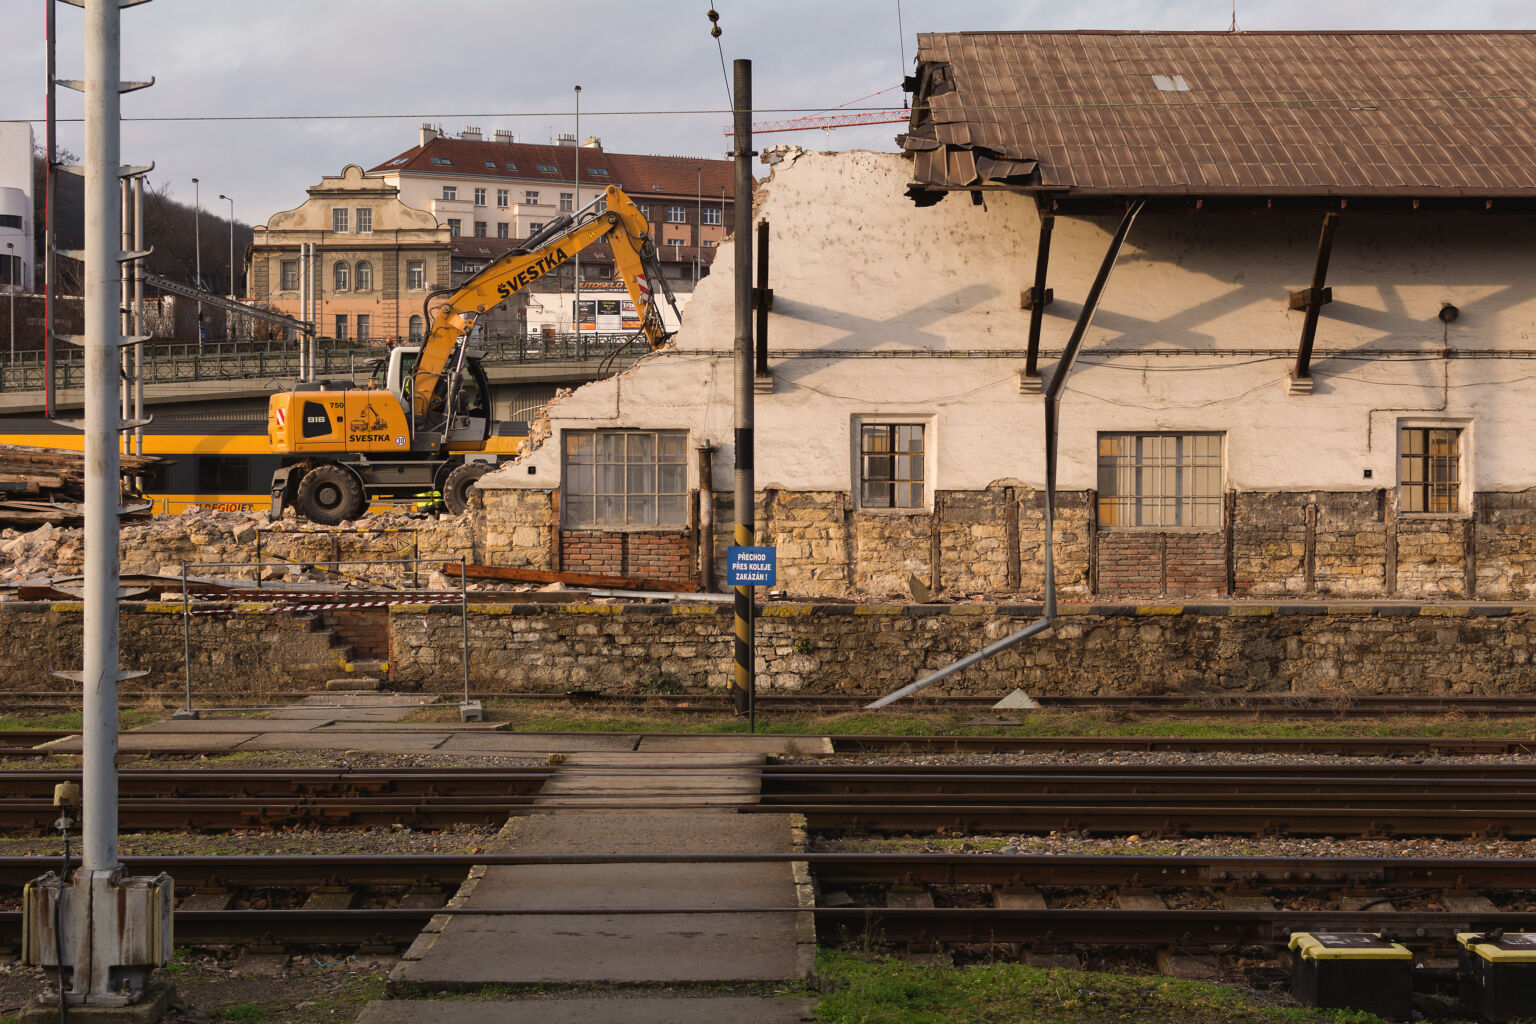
1052, 419
742, 682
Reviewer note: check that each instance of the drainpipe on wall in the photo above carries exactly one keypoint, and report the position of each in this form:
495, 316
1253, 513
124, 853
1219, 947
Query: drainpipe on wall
706, 516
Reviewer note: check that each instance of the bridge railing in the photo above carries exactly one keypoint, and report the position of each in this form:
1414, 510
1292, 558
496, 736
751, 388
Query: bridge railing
167, 363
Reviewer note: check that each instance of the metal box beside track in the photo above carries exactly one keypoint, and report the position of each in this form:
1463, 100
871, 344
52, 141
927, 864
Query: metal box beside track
1498, 974
1352, 971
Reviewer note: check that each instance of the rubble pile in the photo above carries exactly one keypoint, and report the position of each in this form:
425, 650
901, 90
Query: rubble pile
288, 550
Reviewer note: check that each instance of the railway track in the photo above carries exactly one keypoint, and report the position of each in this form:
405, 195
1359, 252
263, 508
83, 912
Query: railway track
1372, 799
977, 898
1195, 706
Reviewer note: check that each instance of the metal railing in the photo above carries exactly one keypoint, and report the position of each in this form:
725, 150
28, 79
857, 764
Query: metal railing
176, 362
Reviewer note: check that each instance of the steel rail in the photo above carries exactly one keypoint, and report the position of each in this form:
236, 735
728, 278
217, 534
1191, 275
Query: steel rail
1196, 870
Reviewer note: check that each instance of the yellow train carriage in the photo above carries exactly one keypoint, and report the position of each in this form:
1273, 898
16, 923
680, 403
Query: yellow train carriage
226, 466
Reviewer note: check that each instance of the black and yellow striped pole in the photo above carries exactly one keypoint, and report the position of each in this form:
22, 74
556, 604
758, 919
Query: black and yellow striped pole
741, 683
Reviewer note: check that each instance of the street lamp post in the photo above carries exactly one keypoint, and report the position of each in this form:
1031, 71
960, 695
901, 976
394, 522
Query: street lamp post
197, 245
10, 281
231, 245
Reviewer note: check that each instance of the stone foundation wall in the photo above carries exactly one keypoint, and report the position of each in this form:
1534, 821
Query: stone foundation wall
236, 654
1349, 544
1090, 649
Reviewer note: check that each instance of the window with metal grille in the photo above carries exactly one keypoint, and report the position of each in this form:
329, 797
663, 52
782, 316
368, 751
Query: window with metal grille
1160, 481
616, 478
891, 465
1429, 470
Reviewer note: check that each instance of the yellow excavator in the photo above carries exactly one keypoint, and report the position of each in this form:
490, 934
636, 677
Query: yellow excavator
427, 426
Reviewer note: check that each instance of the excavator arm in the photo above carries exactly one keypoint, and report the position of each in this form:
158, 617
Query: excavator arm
613, 218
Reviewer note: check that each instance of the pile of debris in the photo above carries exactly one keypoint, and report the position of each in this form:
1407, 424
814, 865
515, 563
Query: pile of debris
47, 485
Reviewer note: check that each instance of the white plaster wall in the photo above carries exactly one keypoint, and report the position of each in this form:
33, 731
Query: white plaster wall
882, 309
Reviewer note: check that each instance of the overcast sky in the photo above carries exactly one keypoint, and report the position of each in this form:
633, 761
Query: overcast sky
650, 73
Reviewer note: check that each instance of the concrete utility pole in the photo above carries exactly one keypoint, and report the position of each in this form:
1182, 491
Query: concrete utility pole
231, 246
742, 684
99, 924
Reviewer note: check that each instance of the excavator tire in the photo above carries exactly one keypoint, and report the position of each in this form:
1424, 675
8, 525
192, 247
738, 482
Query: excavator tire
456, 487
329, 495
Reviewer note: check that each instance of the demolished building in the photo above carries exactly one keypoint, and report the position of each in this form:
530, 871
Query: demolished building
1305, 376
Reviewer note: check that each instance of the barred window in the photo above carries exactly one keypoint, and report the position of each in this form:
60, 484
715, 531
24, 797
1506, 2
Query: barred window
1160, 480
891, 465
625, 478
1429, 470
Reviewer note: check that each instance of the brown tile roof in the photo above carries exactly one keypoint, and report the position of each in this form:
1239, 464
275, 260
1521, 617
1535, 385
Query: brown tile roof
1230, 113
668, 176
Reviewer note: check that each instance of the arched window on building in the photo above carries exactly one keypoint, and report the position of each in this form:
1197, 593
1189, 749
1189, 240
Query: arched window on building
416, 328
340, 277
364, 276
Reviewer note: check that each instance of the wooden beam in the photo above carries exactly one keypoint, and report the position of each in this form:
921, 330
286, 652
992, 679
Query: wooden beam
576, 579
1314, 298
1037, 297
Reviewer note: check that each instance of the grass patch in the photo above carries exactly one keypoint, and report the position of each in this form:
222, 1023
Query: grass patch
1045, 724
881, 990
73, 721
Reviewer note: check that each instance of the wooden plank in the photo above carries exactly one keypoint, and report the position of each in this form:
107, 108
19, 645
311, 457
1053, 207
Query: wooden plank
576, 579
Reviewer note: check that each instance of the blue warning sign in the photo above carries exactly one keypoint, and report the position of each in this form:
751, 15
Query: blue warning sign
751, 567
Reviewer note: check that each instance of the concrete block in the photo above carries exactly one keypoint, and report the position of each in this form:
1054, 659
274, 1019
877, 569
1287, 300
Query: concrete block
149, 1010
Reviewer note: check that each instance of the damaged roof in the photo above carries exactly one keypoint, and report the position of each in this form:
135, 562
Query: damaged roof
1343, 114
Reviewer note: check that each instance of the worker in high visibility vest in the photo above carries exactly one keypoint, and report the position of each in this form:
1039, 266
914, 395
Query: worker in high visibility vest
429, 501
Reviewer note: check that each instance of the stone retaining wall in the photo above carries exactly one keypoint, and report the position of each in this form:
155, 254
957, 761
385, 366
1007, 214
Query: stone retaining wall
236, 654
1092, 649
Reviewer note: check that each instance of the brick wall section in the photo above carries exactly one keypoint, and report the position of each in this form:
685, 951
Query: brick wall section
1148, 563
236, 656
365, 630
651, 555
1090, 649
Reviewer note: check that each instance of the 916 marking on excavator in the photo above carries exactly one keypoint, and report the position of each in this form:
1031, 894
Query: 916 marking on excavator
526, 276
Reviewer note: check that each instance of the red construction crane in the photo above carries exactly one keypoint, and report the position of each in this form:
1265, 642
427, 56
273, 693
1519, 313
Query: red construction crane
799, 124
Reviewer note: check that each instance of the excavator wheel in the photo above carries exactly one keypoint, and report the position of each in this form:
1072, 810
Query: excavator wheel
329, 495
456, 487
